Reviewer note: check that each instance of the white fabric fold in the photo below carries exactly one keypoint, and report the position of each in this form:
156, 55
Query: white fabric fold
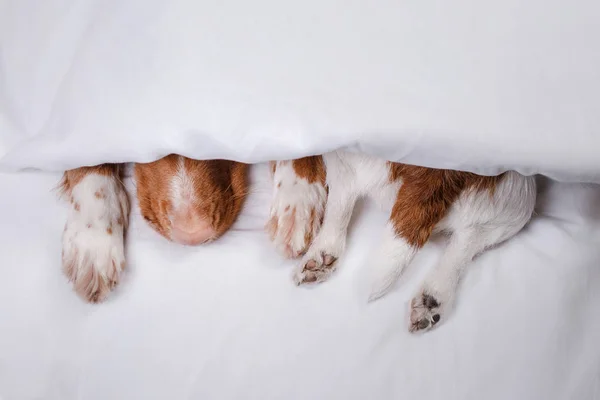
469, 85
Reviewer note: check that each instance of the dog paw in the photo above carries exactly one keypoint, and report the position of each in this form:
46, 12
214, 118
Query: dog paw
425, 312
296, 215
93, 254
315, 268
93, 258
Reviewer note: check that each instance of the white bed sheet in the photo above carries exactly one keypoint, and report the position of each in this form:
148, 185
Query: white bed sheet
225, 321
471, 85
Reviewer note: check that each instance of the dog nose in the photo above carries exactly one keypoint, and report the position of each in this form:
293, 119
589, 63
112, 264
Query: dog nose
190, 229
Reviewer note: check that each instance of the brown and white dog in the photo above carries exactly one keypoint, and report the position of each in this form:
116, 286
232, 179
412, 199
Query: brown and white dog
314, 199
193, 202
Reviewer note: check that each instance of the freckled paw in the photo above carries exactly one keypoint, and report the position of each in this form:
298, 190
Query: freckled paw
92, 259
425, 312
315, 269
293, 227
296, 215
92, 285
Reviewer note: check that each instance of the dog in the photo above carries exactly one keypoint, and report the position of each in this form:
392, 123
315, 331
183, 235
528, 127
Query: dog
313, 202
193, 202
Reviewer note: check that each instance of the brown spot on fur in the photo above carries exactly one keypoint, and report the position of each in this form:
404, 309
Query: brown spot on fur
426, 196
120, 221
286, 208
278, 185
308, 235
100, 194
76, 206
109, 230
311, 168
273, 165
89, 226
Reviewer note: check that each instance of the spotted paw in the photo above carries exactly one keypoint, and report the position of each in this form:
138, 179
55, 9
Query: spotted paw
425, 312
93, 254
296, 212
315, 269
93, 258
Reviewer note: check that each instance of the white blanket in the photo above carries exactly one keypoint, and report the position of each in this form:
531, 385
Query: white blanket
468, 84
225, 321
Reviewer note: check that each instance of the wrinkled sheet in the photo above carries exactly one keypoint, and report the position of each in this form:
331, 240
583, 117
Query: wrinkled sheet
468, 84
225, 321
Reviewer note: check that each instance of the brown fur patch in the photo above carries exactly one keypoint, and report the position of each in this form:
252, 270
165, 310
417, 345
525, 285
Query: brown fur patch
311, 168
219, 188
72, 177
426, 196
308, 234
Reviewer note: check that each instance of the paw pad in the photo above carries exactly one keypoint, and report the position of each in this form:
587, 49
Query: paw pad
424, 313
316, 269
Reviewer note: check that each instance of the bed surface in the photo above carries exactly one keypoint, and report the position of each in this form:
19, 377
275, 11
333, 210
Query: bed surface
225, 321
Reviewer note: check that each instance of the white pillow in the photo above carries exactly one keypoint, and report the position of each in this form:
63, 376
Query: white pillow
466, 84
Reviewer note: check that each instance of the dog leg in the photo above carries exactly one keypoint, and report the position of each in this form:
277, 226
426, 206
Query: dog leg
93, 239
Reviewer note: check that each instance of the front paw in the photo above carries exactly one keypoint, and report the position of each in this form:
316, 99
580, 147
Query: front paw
317, 266
93, 257
427, 309
296, 216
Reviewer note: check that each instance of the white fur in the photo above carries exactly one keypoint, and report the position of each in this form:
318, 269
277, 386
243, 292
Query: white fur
349, 176
389, 260
476, 221
294, 199
181, 186
86, 239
